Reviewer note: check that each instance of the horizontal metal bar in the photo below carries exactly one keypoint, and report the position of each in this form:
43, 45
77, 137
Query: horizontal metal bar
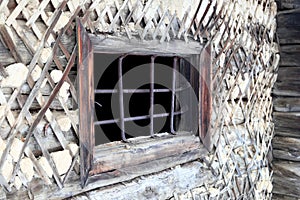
108, 91
127, 119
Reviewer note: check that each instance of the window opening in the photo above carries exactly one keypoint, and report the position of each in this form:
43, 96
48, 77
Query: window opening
151, 104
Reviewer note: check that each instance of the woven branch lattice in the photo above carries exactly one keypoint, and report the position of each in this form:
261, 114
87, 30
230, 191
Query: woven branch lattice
39, 38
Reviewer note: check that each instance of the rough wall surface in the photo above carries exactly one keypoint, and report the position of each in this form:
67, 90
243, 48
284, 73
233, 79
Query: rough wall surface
38, 45
286, 143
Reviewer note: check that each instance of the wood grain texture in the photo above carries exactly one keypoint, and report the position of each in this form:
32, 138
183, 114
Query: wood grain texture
287, 121
286, 148
86, 101
289, 55
286, 88
287, 104
286, 179
289, 27
205, 98
288, 74
108, 44
125, 155
288, 4
276, 196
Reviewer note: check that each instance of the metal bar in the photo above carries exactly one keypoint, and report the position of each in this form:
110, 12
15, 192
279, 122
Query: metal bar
126, 91
99, 91
136, 118
175, 60
121, 99
151, 95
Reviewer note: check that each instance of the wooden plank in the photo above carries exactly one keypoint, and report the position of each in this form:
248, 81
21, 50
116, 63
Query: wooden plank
290, 19
41, 8
286, 155
16, 12
288, 74
205, 98
86, 101
5, 55
288, 35
10, 43
276, 196
56, 105
286, 178
124, 155
288, 4
286, 148
289, 55
39, 169
286, 104
287, 88
56, 175
285, 132
288, 27
287, 121
108, 44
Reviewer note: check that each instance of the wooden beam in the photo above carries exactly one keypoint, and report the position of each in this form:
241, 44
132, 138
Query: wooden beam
286, 178
108, 44
287, 122
290, 89
289, 56
286, 148
288, 74
205, 98
143, 150
286, 104
288, 27
86, 101
288, 4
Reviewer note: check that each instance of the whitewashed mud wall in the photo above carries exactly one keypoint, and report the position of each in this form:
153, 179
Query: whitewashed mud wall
245, 60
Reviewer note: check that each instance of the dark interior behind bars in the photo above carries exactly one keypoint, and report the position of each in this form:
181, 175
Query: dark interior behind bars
119, 101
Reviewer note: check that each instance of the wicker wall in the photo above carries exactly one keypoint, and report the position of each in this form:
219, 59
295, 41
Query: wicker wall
38, 44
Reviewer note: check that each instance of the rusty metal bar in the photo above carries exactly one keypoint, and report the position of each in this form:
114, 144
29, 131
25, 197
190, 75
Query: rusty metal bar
151, 94
173, 95
128, 91
101, 91
136, 118
121, 99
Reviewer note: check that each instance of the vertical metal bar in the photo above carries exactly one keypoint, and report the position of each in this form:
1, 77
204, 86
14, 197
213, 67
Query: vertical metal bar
151, 95
121, 99
175, 60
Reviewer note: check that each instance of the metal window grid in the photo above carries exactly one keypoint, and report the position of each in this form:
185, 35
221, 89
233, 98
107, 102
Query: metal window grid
122, 119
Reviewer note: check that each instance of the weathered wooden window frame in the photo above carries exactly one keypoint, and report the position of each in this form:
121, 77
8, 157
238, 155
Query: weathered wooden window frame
104, 158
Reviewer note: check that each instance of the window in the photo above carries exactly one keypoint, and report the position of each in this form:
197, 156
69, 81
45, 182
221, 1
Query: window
111, 103
141, 95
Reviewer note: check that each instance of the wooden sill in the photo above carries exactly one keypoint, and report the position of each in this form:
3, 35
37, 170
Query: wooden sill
117, 155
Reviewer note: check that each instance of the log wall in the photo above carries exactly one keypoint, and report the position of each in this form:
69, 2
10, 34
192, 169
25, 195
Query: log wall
286, 143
